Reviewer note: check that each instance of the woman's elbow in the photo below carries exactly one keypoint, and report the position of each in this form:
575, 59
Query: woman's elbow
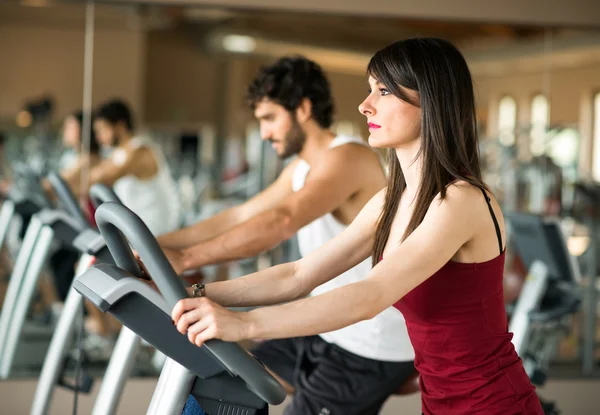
371, 306
301, 287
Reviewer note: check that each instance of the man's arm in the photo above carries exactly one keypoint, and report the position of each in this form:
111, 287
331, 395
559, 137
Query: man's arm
293, 280
224, 221
333, 181
139, 162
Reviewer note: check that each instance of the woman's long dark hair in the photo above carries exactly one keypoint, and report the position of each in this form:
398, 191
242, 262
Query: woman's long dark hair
438, 72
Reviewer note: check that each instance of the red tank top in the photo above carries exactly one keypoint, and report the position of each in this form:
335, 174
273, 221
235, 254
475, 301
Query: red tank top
457, 324
91, 211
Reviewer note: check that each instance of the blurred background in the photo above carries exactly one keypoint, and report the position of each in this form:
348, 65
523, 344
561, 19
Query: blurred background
184, 66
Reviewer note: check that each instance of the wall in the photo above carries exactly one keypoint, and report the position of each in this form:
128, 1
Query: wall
42, 56
570, 95
180, 82
183, 84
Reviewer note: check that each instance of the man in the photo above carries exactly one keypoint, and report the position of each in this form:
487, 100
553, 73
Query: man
348, 371
136, 169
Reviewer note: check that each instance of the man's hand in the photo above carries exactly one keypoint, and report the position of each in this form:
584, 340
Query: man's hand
174, 256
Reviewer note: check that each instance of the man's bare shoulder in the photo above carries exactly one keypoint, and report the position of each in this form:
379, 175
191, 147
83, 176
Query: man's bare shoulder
354, 159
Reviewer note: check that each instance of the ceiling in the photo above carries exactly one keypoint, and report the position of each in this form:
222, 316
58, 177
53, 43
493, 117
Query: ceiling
344, 31
571, 13
343, 42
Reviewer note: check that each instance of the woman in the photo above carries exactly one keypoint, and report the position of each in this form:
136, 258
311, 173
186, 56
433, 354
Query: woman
76, 160
436, 237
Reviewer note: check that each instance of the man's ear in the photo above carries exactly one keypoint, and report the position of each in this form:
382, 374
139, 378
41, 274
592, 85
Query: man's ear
304, 111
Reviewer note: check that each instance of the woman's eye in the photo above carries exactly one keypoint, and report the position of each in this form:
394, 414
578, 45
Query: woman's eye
384, 91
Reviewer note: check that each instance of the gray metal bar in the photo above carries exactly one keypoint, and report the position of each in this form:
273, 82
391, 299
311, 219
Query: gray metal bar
591, 303
172, 390
529, 300
67, 199
36, 263
58, 346
118, 370
16, 279
7, 212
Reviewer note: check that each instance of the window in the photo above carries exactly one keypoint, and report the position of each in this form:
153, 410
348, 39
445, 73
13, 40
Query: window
539, 124
596, 139
507, 120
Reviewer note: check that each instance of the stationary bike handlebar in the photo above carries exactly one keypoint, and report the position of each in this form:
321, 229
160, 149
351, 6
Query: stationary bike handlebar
119, 226
100, 193
67, 199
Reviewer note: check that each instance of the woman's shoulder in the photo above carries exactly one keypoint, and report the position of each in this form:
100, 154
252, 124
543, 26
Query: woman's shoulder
463, 190
461, 197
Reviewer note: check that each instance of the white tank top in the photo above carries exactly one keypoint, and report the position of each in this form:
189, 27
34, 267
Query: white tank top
154, 200
383, 337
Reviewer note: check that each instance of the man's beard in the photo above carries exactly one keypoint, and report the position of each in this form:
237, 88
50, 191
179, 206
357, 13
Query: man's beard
294, 141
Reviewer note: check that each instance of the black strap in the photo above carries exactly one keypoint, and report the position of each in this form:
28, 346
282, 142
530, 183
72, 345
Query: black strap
488, 200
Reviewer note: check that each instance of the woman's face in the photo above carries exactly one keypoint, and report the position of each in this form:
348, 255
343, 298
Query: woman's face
71, 133
393, 123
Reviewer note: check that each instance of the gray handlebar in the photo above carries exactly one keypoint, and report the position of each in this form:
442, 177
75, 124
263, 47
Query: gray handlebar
66, 197
112, 219
100, 193
110, 227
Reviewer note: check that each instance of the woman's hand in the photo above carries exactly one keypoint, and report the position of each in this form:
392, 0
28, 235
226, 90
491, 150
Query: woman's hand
202, 319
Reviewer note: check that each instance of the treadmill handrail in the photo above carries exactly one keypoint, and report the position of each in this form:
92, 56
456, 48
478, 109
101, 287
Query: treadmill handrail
101, 193
116, 222
65, 195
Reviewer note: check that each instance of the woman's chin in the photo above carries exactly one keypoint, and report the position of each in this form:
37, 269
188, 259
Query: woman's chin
376, 142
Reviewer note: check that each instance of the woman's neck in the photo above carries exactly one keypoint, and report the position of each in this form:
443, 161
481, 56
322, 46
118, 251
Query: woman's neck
410, 165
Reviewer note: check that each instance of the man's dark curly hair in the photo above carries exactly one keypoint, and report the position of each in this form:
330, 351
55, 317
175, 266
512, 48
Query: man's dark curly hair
115, 111
288, 81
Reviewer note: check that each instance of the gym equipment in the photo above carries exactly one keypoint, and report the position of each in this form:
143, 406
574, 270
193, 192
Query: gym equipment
43, 227
221, 376
91, 244
549, 296
25, 198
586, 205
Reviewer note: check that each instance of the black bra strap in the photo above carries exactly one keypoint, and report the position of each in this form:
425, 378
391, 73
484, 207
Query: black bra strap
488, 200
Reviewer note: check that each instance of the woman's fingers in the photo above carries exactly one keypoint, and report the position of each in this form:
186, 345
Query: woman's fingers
190, 310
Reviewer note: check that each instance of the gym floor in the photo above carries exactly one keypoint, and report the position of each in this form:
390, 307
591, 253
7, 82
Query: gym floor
575, 397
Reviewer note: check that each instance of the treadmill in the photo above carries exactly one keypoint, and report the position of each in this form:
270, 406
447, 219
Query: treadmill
221, 376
